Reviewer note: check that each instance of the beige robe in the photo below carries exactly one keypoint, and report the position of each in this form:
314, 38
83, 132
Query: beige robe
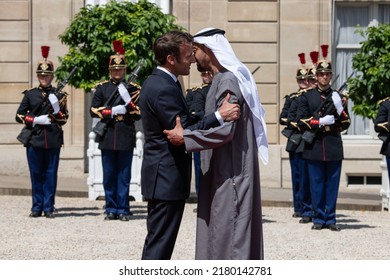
229, 222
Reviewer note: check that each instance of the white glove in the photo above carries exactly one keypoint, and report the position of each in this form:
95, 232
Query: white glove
124, 93
337, 102
118, 110
54, 103
42, 120
327, 120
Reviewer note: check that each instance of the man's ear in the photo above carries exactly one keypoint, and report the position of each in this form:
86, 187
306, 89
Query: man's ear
171, 59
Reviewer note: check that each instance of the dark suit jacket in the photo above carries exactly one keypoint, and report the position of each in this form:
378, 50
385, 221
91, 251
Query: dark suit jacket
166, 169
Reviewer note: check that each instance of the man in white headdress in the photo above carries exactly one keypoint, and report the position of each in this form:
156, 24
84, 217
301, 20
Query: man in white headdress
229, 222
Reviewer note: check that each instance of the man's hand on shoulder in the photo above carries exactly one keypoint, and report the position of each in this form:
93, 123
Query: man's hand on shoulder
229, 111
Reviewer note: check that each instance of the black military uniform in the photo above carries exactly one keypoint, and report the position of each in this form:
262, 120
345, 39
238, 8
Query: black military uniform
381, 124
120, 131
291, 131
322, 113
115, 104
296, 144
196, 99
43, 110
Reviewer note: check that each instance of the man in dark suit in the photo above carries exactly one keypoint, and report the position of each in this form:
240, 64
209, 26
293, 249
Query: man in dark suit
166, 169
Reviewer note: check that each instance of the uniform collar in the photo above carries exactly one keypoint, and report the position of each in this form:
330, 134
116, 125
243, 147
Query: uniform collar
46, 89
116, 82
325, 91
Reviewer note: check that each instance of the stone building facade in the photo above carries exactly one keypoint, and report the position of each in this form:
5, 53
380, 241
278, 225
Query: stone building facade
266, 33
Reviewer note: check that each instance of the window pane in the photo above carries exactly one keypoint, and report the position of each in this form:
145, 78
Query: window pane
347, 19
384, 13
355, 180
374, 180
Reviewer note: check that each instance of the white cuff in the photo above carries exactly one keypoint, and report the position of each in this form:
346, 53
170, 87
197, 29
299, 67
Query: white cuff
219, 118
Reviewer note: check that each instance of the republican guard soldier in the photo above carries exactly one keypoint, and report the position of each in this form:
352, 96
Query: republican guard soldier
292, 133
114, 103
296, 142
323, 116
43, 111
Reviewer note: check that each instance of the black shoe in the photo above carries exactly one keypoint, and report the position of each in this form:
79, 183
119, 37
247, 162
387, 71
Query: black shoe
125, 217
333, 227
49, 215
317, 227
35, 214
305, 220
296, 215
111, 216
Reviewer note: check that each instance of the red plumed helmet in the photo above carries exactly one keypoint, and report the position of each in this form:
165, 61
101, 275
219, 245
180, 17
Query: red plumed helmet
45, 66
117, 61
324, 65
302, 71
312, 69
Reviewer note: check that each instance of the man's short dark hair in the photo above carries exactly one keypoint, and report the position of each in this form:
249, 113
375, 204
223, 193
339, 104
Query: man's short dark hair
169, 43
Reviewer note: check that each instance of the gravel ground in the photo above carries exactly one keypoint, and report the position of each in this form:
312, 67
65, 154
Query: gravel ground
79, 232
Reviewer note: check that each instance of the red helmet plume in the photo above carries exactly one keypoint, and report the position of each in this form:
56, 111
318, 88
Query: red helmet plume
324, 49
45, 51
118, 48
302, 58
314, 57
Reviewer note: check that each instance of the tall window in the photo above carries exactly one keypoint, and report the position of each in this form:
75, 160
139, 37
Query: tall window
348, 16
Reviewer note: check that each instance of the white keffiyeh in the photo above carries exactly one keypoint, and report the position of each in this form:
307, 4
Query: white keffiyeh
223, 51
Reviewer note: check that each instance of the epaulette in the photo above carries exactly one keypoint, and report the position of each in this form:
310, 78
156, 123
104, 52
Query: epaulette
290, 95
296, 94
345, 94
300, 92
134, 84
24, 92
64, 93
197, 87
98, 84
383, 100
